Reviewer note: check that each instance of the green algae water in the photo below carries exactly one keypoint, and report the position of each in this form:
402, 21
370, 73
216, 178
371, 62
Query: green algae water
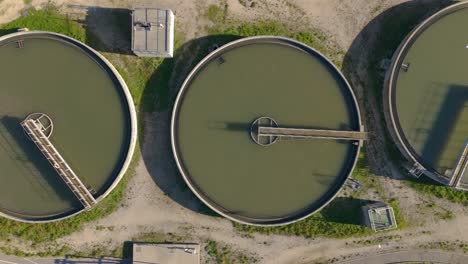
91, 124
227, 93
432, 95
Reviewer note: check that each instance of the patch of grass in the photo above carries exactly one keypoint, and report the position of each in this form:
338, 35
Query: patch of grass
400, 219
447, 245
48, 19
137, 72
430, 187
216, 13
340, 219
225, 255
444, 214
313, 38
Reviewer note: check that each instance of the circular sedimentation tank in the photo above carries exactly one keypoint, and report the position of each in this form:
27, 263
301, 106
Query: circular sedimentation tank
250, 176
85, 111
426, 96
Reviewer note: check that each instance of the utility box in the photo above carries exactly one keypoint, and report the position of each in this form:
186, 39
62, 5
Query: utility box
379, 216
153, 32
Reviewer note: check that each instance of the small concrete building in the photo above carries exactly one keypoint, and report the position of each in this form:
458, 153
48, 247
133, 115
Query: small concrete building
153, 32
379, 216
155, 253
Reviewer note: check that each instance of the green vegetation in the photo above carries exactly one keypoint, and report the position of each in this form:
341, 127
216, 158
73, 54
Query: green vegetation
225, 255
217, 14
447, 245
340, 219
432, 188
313, 38
401, 221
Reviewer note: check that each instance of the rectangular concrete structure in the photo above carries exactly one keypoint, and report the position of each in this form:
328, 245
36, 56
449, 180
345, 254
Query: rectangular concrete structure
153, 32
379, 216
166, 253
34, 131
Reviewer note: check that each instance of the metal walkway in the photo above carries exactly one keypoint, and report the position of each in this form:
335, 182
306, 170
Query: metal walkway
33, 129
459, 170
310, 133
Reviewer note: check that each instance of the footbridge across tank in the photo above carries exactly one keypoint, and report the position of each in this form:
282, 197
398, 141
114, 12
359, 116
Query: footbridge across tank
39, 133
265, 131
459, 178
310, 133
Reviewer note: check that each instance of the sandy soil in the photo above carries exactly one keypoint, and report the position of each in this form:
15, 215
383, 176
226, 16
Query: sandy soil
157, 199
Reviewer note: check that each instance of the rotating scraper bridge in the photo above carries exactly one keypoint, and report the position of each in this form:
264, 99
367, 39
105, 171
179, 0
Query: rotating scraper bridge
39, 128
265, 131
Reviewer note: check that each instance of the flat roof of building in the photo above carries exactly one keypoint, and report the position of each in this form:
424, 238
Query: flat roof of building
187, 253
152, 31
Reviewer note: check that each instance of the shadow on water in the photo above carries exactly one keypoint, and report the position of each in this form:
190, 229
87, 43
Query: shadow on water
24, 151
453, 104
361, 65
158, 99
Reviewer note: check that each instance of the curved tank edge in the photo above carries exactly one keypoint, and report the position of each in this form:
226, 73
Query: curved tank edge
276, 222
133, 127
389, 85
